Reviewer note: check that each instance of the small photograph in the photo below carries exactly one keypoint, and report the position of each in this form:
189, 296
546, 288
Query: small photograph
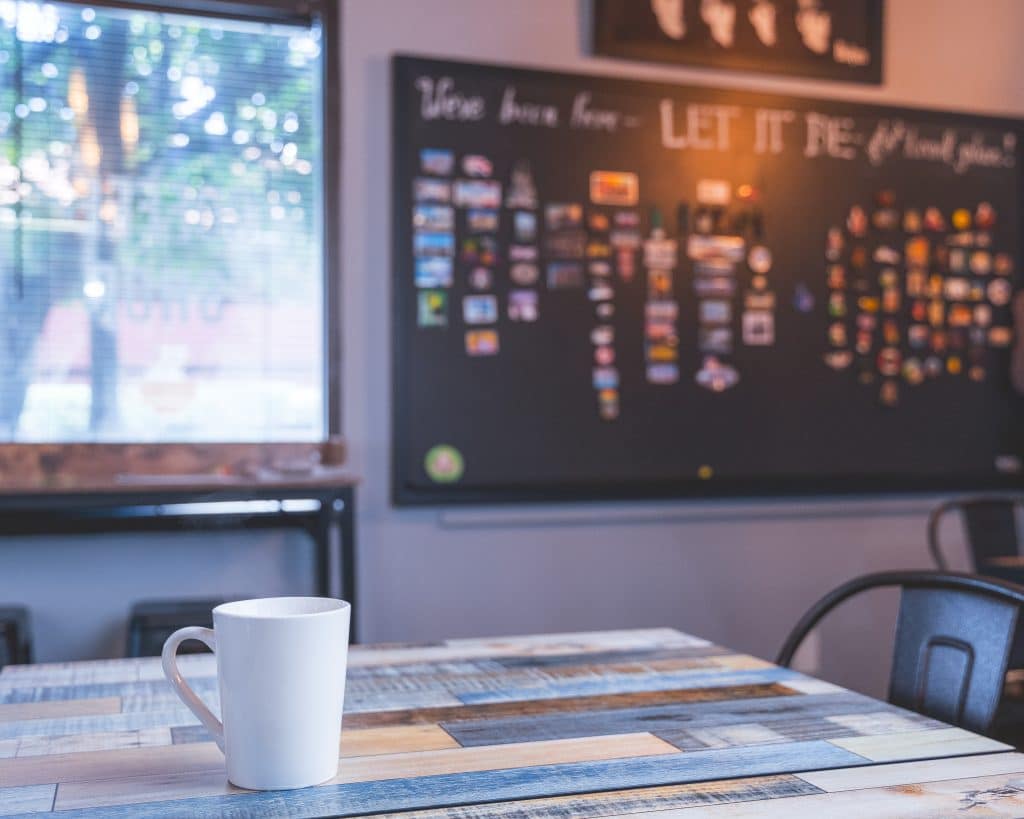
758, 328
437, 162
614, 188
433, 217
624, 239
662, 373
661, 331
523, 305
522, 253
715, 312
481, 278
706, 248
477, 193
432, 190
663, 351
570, 244
482, 342
598, 222
565, 275
626, 218
524, 224
606, 378
433, 244
562, 216
477, 166
481, 250
601, 292
602, 335
480, 309
432, 308
716, 376
760, 301
666, 310
524, 275
434, 271
482, 220
712, 286
659, 284
957, 289
599, 268
716, 340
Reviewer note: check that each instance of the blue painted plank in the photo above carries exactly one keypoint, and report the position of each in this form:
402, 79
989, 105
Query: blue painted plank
26, 799
489, 786
623, 683
670, 722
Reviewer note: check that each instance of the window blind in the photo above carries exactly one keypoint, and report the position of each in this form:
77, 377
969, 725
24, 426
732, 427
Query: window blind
161, 256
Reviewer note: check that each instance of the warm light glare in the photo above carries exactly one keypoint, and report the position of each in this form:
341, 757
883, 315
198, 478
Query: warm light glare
78, 96
90, 147
129, 124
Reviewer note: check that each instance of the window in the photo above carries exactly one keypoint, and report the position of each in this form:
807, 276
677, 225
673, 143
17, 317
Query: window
161, 220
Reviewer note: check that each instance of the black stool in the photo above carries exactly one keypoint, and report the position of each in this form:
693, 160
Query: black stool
15, 638
153, 621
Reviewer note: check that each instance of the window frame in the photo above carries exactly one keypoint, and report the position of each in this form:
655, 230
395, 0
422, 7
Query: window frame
327, 15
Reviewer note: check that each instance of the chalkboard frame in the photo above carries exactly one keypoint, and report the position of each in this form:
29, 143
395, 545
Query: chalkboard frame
605, 42
404, 493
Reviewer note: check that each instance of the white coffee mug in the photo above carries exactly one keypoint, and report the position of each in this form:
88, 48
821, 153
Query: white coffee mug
281, 668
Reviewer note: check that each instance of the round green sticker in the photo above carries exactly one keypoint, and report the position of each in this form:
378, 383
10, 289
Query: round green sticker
444, 464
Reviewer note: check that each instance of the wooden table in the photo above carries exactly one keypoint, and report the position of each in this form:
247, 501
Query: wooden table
639, 723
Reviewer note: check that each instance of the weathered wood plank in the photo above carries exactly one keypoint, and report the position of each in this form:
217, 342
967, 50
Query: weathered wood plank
919, 745
86, 743
900, 773
59, 708
679, 722
984, 796
563, 705
26, 799
537, 645
44, 770
413, 791
626, 683
370, 769
63, 759
620, 803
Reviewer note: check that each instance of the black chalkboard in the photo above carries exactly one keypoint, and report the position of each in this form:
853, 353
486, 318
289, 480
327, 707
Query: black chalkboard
608, 288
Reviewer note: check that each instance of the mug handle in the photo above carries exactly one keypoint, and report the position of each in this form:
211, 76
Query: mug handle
169, 660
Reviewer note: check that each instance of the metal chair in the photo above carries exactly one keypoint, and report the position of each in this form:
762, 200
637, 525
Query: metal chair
15, 636
991, 525
952, 643
153, 621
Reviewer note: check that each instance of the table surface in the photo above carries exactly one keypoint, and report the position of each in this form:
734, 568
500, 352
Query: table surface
621, 723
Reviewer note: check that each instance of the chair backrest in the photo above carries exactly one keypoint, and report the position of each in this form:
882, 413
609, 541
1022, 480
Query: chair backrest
990, 523
952, 642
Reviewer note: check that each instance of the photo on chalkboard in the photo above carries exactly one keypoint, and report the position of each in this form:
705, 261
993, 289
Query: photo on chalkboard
827, 39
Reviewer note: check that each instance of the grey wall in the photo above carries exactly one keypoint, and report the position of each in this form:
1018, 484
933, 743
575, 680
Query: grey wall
738, 573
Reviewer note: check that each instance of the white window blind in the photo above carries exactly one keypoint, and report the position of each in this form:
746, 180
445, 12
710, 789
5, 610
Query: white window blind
161, 270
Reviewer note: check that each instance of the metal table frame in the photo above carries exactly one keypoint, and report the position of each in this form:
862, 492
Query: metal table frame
321, 509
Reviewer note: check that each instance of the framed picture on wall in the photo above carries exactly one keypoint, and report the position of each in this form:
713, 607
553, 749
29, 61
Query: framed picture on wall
827, 39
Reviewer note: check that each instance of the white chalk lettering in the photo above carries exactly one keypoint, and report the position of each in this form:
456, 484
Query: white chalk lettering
830, 136
440, 100
768, 130
936, 149
596, 119
885, 140
850, 53
525, 113
705, 127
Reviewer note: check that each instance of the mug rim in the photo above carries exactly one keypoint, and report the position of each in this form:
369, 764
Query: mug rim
226, 609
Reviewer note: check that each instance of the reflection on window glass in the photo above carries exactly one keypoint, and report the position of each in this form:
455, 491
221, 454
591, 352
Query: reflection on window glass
160, 250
